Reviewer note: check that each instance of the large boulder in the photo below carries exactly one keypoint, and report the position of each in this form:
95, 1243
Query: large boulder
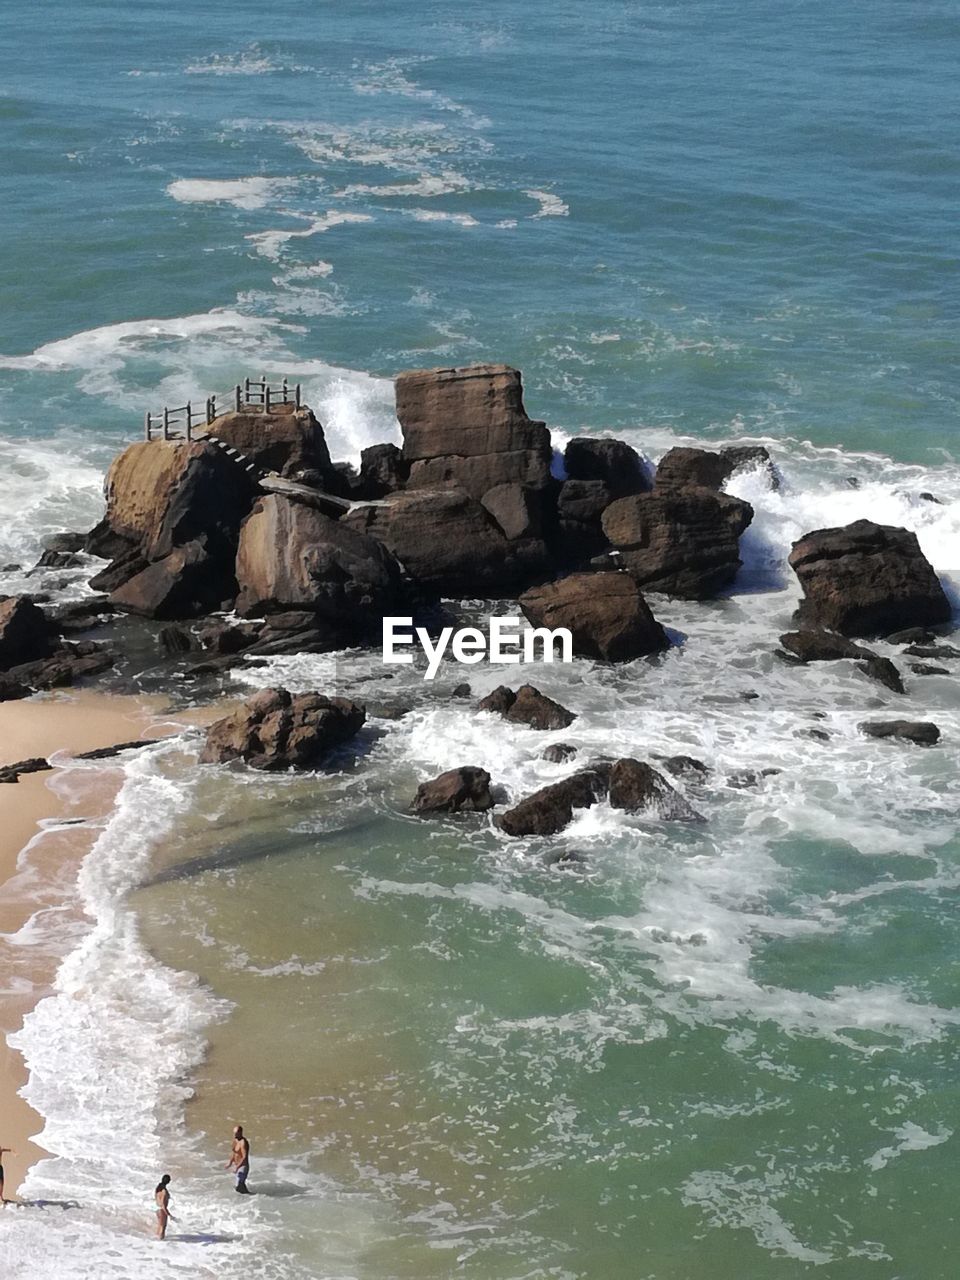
468, 427
185, 583
287, 440
866, 579
292, 556
683, 543
579, 534
549, 810
923, 732
686, 468
382, 471
278, 730
527, 706
605, 613
463, 790
26, 633
612, 462
450, 544
638, 788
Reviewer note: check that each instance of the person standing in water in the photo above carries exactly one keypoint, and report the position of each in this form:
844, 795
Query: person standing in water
162, 1198
4, 1150
240, 1160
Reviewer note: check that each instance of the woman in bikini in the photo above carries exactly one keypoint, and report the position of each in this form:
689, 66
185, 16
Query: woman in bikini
162, 1198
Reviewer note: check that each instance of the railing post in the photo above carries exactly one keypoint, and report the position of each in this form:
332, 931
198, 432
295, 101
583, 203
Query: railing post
146, 426
237, 392
210, 414
189, 421
266, 397
166, 423
246, 389
296, 396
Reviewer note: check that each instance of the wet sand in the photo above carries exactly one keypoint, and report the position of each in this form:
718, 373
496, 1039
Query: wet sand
33, 812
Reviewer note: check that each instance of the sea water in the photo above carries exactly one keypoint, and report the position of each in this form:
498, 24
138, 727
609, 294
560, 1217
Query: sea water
721, 1051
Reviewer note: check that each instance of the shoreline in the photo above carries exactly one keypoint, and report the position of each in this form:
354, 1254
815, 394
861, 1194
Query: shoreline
38, 840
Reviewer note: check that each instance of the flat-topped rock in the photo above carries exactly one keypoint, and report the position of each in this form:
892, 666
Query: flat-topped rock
287, 440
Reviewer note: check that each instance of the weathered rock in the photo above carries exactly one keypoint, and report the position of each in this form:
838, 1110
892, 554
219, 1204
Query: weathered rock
382, 471
866, 579
286, 440
688, 468
912, 635
176, 641
559, 752
683, 543
185, 583
227, 637
822, 646
26, 633
64, 667
637, 787
549, 810
884, 672
605, 613
278, 730
291, 556
57, 560
749, 457
67, 541
579, 533
463, 790
923, 732
517, 509
684, 766
611, 462
448, 543
11, 690
461, 690
926, 669
126, 566
527, 706
932, 651
468, 427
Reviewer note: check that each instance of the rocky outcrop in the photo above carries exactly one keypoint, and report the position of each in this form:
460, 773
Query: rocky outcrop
293, 557
559, 752
26, 633
468, 427
551, 808
683, 543
637, 787
685, 468
866, 579
276, 730
183, 584
579, 532
527, 706
287, 440
612, 463
685, 767
450, 544
463, 790
821, 646
884, 672
605, 613
923, 732
382, 471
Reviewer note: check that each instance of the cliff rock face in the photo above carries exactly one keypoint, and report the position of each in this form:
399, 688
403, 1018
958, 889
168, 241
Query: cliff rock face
286, 440
606, 614
683, 543
278, 730
291, 556
449, 543
866, 579
468, 427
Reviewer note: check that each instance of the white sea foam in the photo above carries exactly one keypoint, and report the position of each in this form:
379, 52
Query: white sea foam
909, 1137
247, 62
269, 244
440, 215
441, 184
551, 206
242, 193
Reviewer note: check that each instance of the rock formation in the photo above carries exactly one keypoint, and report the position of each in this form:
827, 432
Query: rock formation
527, 706
606, 614
866, 579
611, 462
463, 790
923, 732
551, 808
276, 730
637, 787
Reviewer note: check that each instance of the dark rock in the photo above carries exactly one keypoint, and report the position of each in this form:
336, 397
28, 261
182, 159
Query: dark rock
26, 633
57, 560
119, 571
226, 637
684, 766
583, 501
291, 556
883, 670
11, 690
12, 772
605, 613
930, 497
912, 635
749, 457
286, 440
105, 753
925, 669
450, 544
558, 752
499, 701
527, 706
745, 779
382, 471
819, 735
637, 787
686, 468
388, 710
462, 690
63, 667
579, 533
68, 542
822, 646
612, 462
517, 509
185, 583
463, 790
278, 730
175, 641
549, 810
683, 543
468, 427
932, 651
923, 732
104, 542
866, 579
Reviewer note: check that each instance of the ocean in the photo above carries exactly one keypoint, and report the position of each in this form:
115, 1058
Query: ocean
726, 1052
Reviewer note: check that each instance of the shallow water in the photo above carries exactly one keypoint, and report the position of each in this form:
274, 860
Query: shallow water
726, 1050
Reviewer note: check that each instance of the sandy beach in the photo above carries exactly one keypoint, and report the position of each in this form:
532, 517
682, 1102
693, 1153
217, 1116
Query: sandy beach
37, 811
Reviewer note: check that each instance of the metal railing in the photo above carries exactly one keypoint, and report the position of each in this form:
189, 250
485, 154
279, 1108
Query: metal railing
182, 421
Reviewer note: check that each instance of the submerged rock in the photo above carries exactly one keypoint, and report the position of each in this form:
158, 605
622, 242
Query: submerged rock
884, 672
278, 730
462, 790
816, 645
527, 706
637, 787
605, 613
927, 669
551, 808
558, 752
866, 579
684, 766
923, 732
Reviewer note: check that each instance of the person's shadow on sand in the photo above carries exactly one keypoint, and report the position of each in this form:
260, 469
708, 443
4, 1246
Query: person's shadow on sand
202, 1237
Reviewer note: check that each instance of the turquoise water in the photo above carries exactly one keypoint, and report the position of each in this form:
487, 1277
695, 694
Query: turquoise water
727, 1052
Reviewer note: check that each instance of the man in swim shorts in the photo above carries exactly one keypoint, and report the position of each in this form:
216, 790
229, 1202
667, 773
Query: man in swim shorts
240, 1160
